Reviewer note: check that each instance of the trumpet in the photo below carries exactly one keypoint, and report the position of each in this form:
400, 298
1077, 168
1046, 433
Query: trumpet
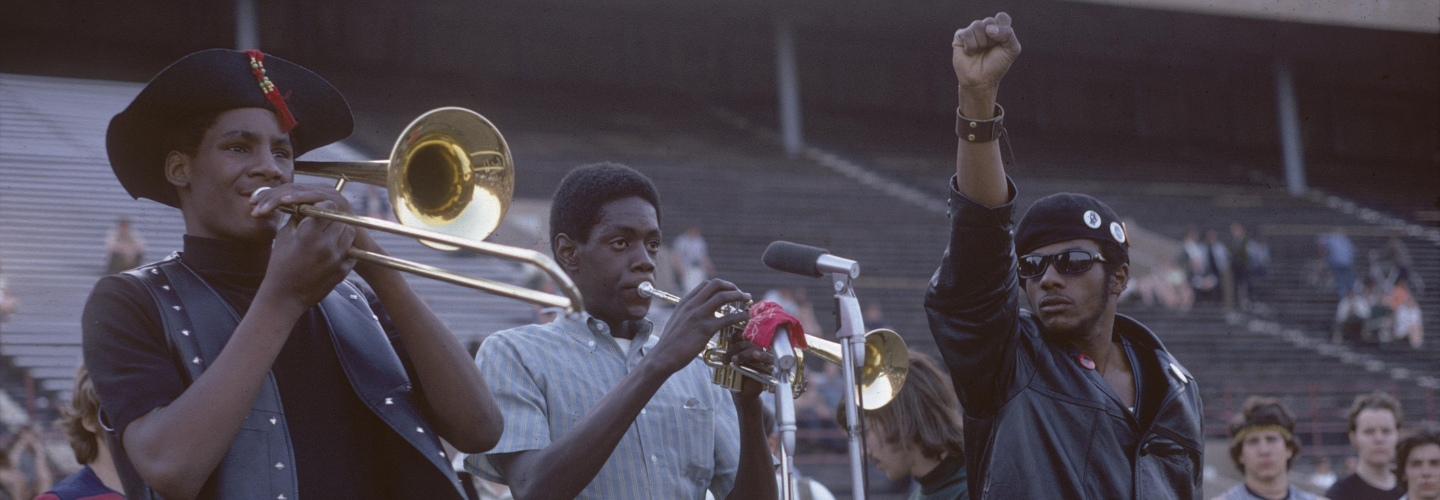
450, 179
881, 373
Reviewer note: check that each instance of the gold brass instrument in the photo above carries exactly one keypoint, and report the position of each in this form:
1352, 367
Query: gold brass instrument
881, 374
450, 178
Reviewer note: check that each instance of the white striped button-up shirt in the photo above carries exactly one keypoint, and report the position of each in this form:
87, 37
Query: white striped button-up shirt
546, 378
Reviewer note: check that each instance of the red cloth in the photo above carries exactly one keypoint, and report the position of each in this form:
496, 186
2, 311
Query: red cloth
765, 317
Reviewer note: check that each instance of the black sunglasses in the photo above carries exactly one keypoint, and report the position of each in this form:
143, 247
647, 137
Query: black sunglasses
1067, 262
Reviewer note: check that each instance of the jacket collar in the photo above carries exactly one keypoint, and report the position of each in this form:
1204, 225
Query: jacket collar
1141, 336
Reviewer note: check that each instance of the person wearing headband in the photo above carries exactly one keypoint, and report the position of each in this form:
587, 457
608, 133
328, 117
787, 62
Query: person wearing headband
1263, 446
247, 365
1066, 399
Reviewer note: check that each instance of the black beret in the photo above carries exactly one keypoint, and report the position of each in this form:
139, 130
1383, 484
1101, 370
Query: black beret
212, 81
1068, 216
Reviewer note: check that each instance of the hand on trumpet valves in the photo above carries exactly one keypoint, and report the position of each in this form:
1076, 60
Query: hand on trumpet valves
308, 259
694, 322
749, 354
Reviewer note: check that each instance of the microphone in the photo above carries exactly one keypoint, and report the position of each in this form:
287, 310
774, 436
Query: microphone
806, 260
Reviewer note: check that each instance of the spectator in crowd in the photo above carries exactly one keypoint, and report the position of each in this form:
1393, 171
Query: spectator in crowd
1240, 263
98, 479
24, 468
1195, 256
805, 312
1381, 324
1350, 317
1249, 261
1374, 423
1339, 255
125, 247
1168, 287
875, 317
1380, 269
804, 487
1399, 254
1263, 446
691, 259
785, 297
1417, 462
1407, 323
1323, 477
9, 302
1220, 265
919, 434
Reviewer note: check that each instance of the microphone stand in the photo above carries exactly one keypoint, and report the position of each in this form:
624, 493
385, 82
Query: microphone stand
852, 341
785, 410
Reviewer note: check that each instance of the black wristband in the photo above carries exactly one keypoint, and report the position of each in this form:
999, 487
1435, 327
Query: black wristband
980, 130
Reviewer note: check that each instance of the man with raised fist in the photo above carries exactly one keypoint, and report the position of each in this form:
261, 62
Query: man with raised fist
1071, 400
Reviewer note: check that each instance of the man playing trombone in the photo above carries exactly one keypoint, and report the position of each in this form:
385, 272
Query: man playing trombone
599, 407
247, 366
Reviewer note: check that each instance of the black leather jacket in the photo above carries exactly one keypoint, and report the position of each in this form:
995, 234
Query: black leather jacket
1037, 423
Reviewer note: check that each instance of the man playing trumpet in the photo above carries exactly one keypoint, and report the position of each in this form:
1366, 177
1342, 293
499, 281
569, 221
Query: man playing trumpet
599, 407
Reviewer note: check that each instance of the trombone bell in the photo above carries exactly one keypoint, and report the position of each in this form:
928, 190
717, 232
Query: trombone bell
450, 179
452, 173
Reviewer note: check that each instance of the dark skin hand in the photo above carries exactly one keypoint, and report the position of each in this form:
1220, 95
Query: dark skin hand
176, 447
617, 257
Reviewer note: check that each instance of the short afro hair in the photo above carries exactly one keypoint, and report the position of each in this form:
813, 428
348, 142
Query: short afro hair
575, 208
1261, 411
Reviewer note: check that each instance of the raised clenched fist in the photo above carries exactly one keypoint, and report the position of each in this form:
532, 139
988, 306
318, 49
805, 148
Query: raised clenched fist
982, 52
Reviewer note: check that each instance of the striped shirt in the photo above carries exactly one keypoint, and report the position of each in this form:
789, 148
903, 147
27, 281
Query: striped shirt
546, 378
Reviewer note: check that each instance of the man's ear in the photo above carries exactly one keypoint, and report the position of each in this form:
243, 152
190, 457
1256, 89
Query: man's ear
565, 248
177, 169
1121, 279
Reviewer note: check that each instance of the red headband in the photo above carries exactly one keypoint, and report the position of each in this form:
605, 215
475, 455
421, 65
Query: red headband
287, 120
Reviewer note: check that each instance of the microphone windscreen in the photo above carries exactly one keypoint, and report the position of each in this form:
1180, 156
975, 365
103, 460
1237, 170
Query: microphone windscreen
793, 258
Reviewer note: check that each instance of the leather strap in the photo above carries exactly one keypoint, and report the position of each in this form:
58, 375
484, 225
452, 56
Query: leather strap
980, 130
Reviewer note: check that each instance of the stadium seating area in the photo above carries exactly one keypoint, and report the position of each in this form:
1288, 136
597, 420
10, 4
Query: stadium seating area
727, 176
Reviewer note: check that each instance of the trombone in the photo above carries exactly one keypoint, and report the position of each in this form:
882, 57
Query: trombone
450, 178
881, 374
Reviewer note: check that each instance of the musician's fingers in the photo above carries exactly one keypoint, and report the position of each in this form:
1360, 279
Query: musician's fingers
715, 324
748, 353
266, 200
1002, 19
714, 302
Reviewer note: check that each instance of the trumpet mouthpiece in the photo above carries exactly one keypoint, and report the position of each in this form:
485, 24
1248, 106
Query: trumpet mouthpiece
646, 289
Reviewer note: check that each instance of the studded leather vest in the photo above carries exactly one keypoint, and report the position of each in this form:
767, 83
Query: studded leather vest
259, 463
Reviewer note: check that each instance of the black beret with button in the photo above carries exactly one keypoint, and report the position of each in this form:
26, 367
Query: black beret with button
1068, 216
212, 81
